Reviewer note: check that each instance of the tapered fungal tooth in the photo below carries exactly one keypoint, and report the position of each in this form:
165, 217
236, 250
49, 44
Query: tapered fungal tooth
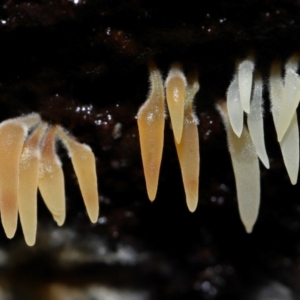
276, 91
51, 179
28, 176
175, 89
12, 136
84, 164
290, 149
255, 121
246, 171
289, 145
290, 101
234, 107
188, 149
151, 123
245, 75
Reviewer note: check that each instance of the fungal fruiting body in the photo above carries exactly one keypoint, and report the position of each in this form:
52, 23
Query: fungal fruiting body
12, 135
29, 176
246, 171
245, 147
290, 96
51, 179
244, 95
246, 140
151, 125
83, 160
255, 120
188, 148
245, 75
151, 118
29, 163
175, 90
289, 144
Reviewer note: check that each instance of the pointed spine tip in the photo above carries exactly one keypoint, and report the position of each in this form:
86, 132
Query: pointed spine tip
59, 222
294, 181
151, 197
10, 234
192, 208
30, 243
249, 229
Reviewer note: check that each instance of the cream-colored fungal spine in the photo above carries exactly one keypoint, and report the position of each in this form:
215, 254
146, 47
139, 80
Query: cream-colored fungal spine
176, 94
29, 172
234, 107
151, 124
284, 94
289, 143
255, 120
84, 163
246, 170
245, 95
12, 135
30, 162
188, 149
151, 119
51, 178
290, 96
245, 77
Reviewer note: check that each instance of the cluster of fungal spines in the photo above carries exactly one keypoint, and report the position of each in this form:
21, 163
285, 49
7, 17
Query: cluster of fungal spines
245, 139
29, 162
246, 144
180, 93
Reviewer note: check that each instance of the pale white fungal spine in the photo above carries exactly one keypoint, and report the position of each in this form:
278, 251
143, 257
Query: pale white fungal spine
255, 120
234, 107
246, 171
289, 144
245, 77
